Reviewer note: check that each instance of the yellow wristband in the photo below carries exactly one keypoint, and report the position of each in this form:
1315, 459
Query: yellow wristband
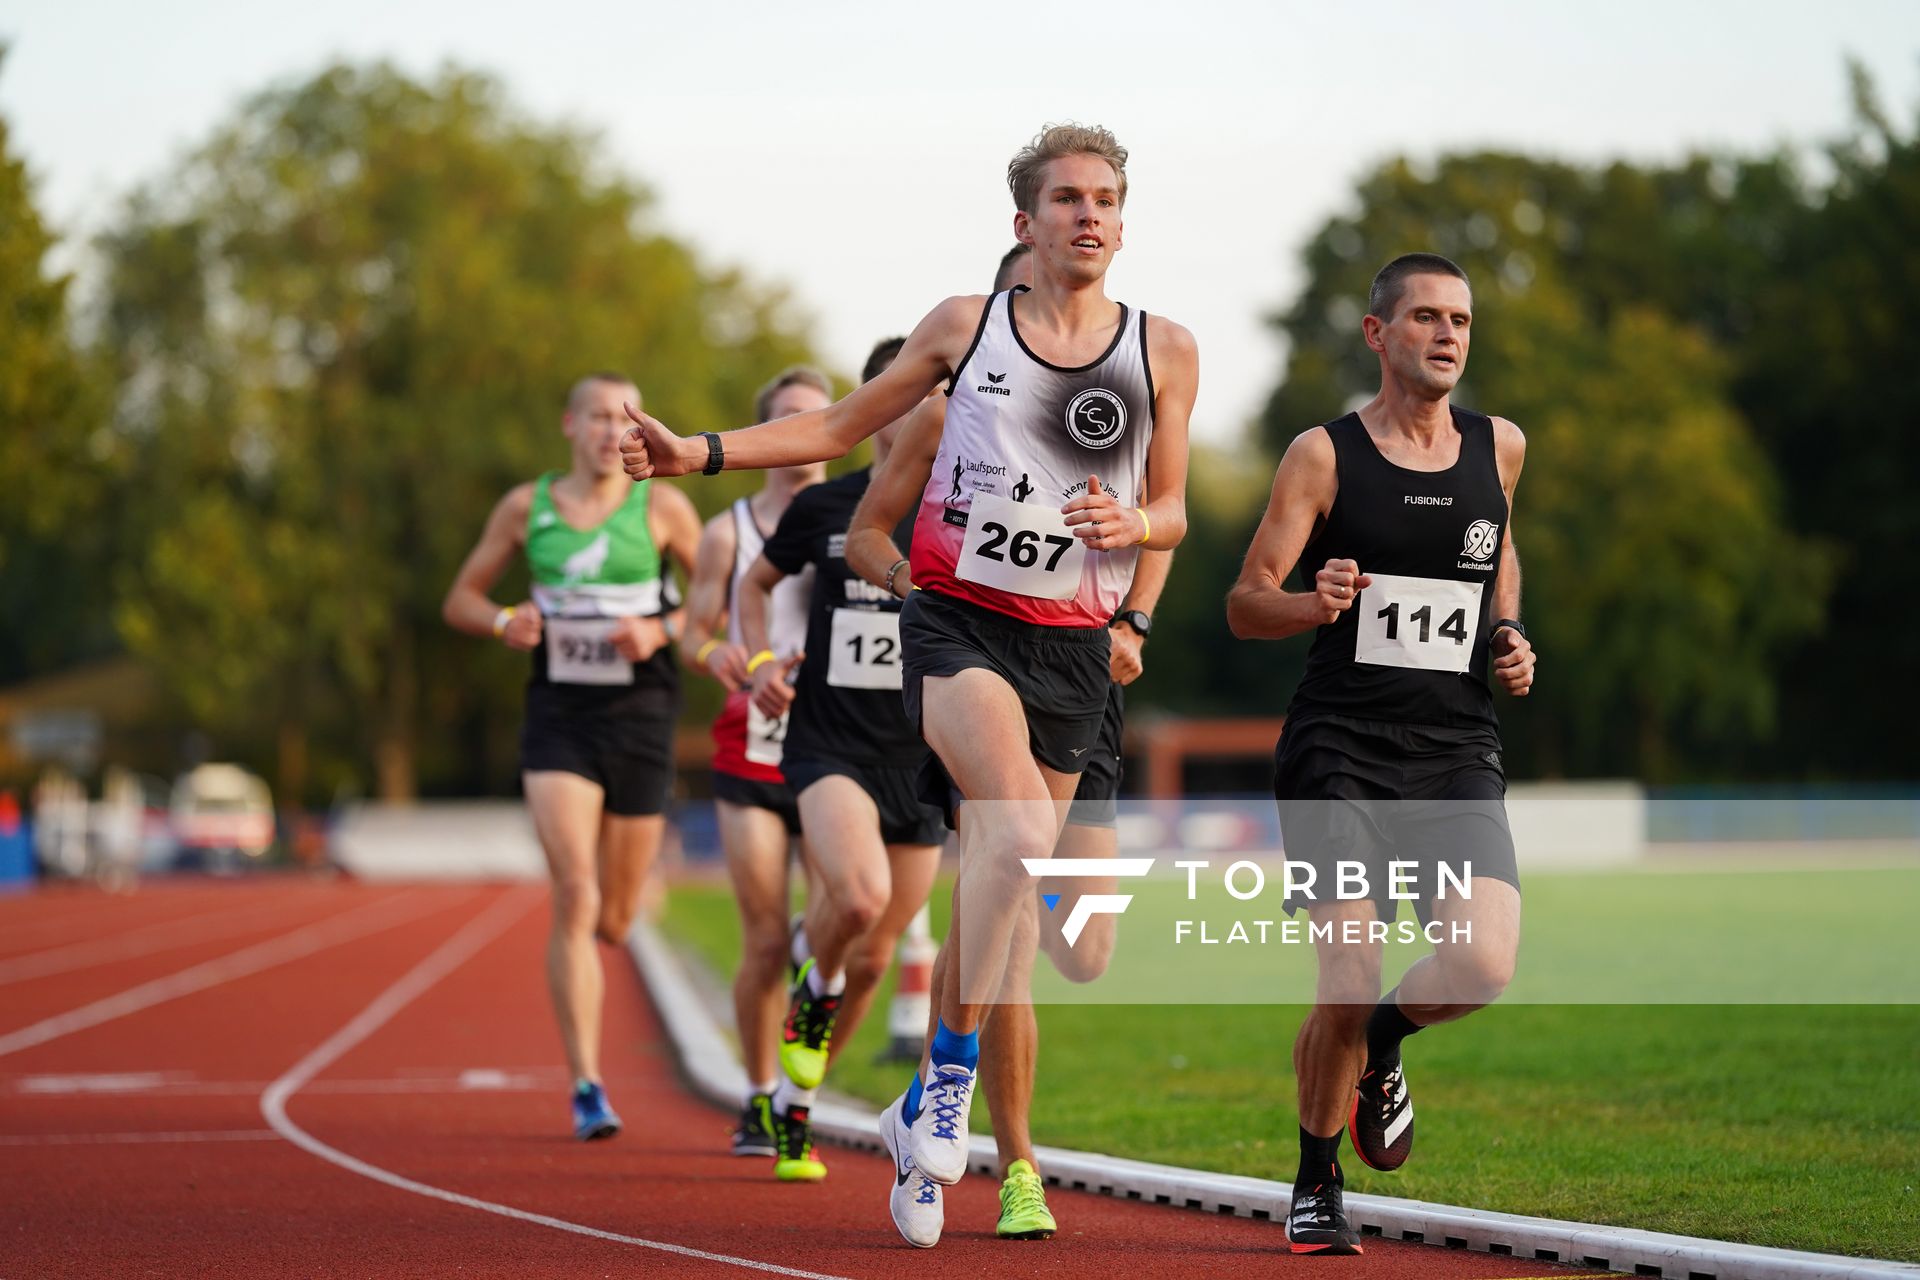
501, 619
1144, 525
759, 660
706, 651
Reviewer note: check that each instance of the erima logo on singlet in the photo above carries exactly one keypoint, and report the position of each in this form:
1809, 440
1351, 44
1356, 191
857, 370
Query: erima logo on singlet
1097, 418
1483, 539
995, 389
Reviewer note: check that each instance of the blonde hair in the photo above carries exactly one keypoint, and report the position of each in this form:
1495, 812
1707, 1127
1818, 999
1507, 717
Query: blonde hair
799, 375
1054, 142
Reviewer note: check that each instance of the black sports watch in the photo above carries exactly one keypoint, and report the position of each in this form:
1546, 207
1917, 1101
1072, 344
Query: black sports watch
716, 457
1136, 619
1508, 622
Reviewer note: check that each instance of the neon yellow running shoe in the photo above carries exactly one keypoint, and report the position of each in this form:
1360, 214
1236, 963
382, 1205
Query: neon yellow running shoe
807, 1032
1023, 1205
794, 1160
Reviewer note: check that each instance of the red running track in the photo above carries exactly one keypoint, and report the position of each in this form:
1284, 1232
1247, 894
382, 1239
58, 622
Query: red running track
284, 1077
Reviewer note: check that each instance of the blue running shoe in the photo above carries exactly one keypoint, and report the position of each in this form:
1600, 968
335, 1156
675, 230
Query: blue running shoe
592, 1117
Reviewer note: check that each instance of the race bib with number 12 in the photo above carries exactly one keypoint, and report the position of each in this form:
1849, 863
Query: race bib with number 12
1425, 623
866, 650
1021, 547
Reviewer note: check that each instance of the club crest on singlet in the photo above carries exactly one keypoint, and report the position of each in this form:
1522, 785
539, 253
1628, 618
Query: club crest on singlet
1097, 418
1483, 539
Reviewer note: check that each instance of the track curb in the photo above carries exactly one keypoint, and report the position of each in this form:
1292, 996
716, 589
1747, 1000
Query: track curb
710, 1068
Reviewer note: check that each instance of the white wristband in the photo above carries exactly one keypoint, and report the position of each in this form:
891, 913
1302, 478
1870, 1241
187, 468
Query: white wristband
501, 619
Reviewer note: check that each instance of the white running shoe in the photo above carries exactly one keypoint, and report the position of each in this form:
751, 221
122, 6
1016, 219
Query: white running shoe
939, 1132
915, 1200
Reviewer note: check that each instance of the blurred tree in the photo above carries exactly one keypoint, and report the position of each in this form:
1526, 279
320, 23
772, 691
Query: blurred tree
1663, 582
53, 542
344, 328
1828, 378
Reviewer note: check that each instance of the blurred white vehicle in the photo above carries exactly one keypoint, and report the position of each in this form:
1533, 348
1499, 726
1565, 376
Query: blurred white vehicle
222, 816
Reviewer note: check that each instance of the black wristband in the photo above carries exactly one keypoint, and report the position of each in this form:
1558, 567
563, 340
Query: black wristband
716, 457
1508, 622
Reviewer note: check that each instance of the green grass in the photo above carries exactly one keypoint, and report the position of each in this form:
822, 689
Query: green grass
1792, 1125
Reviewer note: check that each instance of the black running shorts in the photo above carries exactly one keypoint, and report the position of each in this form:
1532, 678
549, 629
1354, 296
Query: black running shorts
1059, 673
1096, 802
1377, 792
624, 744
752, 793
904, 817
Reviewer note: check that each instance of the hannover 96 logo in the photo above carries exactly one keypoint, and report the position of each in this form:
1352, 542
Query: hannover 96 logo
1483, 539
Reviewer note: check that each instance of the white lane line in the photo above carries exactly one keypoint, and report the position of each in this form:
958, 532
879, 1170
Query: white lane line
135, 1139
450, 955
164, 936
330, 932
158, 1084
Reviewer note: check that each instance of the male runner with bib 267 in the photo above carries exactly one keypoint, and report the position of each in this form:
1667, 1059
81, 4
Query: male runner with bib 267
1391, 748
1064, 451
1010, 1041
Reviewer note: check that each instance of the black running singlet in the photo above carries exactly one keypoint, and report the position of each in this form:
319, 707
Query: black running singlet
1413, 648
847, 707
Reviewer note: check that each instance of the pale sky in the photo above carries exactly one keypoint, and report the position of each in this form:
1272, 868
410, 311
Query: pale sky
856, 152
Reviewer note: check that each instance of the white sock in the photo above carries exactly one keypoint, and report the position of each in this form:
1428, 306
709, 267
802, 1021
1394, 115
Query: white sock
758, 1090
790, 1095
826, 984
798, 947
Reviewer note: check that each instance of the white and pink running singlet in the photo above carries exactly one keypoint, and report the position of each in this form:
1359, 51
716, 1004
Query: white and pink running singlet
1021, 438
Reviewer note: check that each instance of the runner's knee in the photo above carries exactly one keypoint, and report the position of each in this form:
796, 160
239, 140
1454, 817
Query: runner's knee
1476, 975
616, 921
765, 952
1349, 979
576, 903
1088, 957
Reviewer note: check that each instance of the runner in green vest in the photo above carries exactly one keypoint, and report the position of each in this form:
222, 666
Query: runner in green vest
596, 751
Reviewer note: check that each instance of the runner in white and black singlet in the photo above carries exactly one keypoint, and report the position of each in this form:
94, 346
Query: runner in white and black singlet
852, 758
1010, 1045
596, 751
1391, 749
754, 803
1071, 448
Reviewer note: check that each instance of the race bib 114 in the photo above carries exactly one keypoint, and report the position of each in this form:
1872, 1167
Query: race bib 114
1021, 547
1425, 623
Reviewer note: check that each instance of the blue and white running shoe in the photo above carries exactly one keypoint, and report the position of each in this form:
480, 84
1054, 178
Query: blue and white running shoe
916, 1201
939, 1132
592, 1117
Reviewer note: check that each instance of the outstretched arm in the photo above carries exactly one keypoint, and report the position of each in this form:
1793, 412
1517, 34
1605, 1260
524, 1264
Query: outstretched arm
936, 345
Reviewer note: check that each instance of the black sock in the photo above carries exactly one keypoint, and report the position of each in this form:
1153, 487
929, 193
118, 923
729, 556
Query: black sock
1388, 1026
1317, 1159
